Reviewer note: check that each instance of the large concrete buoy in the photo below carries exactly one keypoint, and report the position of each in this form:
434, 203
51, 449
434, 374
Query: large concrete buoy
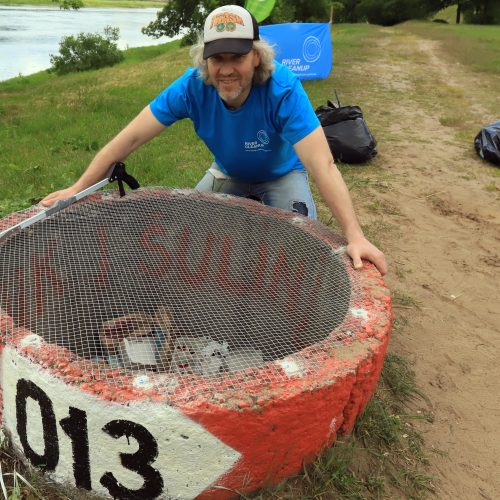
175, 344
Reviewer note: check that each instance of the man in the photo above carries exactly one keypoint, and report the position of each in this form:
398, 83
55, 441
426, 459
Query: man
256, 118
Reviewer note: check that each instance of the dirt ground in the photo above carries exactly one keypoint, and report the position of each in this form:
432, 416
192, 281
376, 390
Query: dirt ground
442, 206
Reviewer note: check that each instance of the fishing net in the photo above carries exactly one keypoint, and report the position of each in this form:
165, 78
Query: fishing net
180, 287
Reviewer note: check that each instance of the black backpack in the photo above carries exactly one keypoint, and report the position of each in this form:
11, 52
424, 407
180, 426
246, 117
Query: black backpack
487, 143
348, 136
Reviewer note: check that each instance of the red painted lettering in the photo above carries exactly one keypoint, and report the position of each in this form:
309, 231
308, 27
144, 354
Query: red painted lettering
103, 278
223, 279
146, 242
44, 271
260, 268
276, 277
295, 288
201, 273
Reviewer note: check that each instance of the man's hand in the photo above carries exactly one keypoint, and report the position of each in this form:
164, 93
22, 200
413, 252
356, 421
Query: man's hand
63, 194
361, 248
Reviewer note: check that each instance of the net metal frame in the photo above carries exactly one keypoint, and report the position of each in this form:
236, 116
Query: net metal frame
177, 293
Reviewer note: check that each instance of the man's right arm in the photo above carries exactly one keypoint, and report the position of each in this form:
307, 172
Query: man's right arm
140, 130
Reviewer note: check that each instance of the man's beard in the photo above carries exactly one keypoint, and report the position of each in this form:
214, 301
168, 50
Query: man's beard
231, 95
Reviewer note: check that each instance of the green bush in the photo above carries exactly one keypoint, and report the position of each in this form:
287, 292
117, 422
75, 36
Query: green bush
69, 4
87, 51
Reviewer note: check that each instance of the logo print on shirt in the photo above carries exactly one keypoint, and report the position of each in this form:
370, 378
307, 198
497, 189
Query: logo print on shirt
263, 137
260, 144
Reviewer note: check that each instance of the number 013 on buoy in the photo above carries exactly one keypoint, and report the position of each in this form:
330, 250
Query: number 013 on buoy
65, 431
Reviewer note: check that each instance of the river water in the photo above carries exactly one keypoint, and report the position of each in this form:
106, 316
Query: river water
29, 34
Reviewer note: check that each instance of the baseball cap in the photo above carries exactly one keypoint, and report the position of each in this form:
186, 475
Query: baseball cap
230, 29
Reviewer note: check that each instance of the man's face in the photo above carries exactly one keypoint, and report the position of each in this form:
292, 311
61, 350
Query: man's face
232, 75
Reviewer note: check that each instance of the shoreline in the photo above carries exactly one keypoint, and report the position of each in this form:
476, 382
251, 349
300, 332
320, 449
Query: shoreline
43, 74
31, 60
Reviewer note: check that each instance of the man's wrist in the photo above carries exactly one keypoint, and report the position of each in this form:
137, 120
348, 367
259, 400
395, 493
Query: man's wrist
354, 234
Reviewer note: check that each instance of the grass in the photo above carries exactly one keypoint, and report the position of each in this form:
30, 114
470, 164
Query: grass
492, 187
472, 45
401, 299
50, 128
45, 147
399, 379
448, 14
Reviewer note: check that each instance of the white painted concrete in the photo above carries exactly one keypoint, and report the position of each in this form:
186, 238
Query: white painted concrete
189, 457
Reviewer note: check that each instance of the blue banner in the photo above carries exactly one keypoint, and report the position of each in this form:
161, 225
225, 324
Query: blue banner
306, 48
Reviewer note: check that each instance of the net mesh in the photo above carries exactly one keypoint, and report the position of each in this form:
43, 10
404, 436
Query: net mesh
191, 286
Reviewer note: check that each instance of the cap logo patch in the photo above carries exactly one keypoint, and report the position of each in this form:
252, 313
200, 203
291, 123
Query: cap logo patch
226, 21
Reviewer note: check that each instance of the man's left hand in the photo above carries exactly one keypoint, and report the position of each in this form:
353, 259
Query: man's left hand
362, 249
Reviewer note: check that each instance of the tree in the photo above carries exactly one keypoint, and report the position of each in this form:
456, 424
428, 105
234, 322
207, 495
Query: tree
481, 11
188, 16
283, 12
311, 12
389, 12
349, 14
183, 16
301, 11
459, 12
337, 11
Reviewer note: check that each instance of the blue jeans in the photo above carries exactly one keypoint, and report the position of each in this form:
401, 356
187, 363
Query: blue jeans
290, 192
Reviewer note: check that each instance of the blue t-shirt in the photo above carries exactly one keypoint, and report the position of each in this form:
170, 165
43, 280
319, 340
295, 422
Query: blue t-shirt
254, 142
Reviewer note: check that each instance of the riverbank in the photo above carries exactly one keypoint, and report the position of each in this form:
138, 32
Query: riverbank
133, 56
92, 3
24, 55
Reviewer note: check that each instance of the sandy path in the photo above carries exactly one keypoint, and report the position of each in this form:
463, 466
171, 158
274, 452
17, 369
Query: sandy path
445, 255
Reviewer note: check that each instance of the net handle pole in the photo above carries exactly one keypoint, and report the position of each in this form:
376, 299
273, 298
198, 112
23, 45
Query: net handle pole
61, 204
